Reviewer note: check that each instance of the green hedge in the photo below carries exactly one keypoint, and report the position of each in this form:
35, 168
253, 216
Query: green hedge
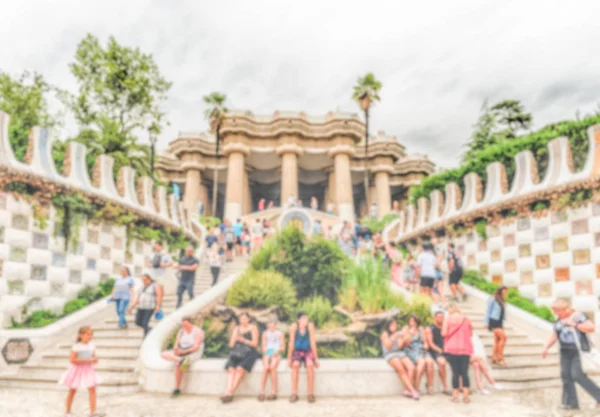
514, 298
504, 152
42, 318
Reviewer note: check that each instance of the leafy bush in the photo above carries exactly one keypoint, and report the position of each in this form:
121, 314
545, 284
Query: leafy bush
505, 151
377, 225
36, 319
513, 297
481, 228
209, 222
74, 305
318, 308
262, 289
216, 338
315, 266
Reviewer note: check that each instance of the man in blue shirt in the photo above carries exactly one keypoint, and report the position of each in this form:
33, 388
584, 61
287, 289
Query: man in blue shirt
238, 227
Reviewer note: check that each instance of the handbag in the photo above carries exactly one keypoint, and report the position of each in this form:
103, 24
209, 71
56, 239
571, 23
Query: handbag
159, 315
589, 354
240, 351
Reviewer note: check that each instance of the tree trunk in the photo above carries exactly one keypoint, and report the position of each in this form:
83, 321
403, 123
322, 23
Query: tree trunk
366, 180
216, 174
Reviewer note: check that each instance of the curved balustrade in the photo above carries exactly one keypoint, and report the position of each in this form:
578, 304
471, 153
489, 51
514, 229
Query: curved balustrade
424, 218
39, 163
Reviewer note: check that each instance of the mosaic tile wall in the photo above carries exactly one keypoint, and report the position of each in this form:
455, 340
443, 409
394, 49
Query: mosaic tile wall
35, 268
544, 258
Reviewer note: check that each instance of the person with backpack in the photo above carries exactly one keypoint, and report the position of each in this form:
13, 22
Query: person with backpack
570, 330
455, 266
148, 303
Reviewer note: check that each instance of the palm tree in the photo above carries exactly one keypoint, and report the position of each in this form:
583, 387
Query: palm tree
366, 93
215, 114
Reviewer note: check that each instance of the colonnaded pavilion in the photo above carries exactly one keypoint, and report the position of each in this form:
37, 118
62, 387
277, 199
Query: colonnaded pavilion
291, 154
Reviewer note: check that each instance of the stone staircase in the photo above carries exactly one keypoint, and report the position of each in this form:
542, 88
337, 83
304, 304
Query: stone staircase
117, 349
525, 367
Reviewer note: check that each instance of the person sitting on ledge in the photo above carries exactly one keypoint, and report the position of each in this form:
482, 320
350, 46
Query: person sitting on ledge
188, 347
273, 345
302, 349
392, 345
242, 356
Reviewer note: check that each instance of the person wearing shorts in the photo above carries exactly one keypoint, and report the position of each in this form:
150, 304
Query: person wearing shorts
273, 343
188, 347
302, 350
426, 268
392, 346
435, 344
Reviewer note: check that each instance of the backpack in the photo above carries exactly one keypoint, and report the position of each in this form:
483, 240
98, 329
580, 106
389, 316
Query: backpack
458, 266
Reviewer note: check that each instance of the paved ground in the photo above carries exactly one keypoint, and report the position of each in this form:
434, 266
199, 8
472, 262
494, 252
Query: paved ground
20, 403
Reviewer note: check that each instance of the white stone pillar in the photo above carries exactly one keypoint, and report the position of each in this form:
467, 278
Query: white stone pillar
236, 153
193, 187
382, 190
343, 188
289, 154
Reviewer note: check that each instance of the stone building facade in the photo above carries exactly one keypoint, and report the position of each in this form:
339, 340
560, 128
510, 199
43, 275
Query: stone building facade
291, 154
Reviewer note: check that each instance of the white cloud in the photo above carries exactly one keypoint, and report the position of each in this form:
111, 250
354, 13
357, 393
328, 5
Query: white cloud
438, 60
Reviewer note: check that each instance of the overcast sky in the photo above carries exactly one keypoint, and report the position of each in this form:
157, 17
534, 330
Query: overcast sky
438, 60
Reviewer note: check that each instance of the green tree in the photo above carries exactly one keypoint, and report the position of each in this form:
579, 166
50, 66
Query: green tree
366, 93
120, 93
24, 98
215, 114
504, 120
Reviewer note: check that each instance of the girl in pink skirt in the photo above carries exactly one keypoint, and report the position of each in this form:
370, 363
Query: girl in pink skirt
81, 373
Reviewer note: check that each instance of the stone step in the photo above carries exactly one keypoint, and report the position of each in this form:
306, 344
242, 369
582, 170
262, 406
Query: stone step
128, 385
110, 331
533, 350
106, 374
106, 352
113, 343
531, 385
510, 334
118, 338
526, 374
528, 362
62, 360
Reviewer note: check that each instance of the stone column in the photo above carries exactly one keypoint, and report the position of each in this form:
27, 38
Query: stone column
331, 195
247, 203
383, 193
289, 154
236, 153
204, 198
193, 186
343, 187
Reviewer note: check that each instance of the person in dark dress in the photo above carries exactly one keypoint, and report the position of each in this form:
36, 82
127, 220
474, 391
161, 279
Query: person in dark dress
242, 356
435, 353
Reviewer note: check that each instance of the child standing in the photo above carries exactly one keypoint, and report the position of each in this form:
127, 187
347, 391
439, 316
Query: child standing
81, 373
273, 342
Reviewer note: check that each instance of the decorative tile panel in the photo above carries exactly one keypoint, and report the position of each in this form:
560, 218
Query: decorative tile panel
460, 249
581, 256
40, 241
139, 247
21, 222
105, 253
116, 268
497, 279
496, 257
128, 258
541, 233
579, 227
1, 234
76, 250
75, 277
493, 231
16, 287
138, 271
482, 245
596, 209
1, 267
596, 239
560, 244
523, 223
118, 243
470, 237
561, 274
584, 288
542, 261
106, 228
18, 254
58, 231
545, 289
38, 272
57, 289
509, 239
526, 277
59, 259
524, 250
2, 201
510, 265
104, 277
92, 236
91, 264
559, 217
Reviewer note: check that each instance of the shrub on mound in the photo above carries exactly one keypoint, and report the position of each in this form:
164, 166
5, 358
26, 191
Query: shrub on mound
319, 310
263, 289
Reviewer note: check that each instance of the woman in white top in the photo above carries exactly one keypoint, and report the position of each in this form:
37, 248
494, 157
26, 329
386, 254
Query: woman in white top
214, 261
273, 342
426, 269
188, 347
